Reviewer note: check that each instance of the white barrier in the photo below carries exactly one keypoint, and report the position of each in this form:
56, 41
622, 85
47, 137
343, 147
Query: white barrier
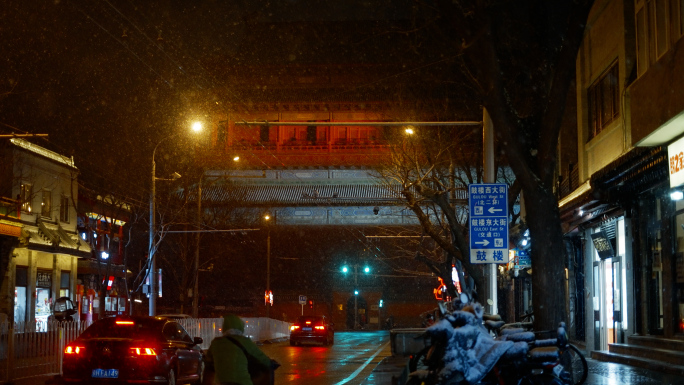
258, 329
31, 350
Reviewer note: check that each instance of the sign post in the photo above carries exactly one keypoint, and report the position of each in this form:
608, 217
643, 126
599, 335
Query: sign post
302, 301
488, 222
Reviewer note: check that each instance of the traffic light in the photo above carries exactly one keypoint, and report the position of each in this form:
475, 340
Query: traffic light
310, 304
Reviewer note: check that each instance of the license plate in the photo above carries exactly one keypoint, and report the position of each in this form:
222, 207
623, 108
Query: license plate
306, 329
105, 373
558, 369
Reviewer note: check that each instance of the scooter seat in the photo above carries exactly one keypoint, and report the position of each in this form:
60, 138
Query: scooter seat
520, 337
545, 354
494, 325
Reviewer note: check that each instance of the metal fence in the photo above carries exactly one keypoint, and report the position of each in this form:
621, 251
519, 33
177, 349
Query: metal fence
30, 350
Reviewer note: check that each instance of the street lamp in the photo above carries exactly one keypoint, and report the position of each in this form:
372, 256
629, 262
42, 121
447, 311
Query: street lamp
152, 272
195, 290
267, 218
366, 270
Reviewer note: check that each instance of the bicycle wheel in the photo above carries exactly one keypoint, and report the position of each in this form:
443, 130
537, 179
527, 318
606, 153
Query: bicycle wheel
576, 365
417, 361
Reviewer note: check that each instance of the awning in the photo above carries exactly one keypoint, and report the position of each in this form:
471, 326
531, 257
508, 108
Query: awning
54, 239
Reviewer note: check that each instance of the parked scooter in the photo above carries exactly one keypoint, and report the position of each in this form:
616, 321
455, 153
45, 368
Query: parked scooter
461, 351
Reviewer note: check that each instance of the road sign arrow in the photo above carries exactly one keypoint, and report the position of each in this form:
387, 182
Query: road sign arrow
484, 242
492, 210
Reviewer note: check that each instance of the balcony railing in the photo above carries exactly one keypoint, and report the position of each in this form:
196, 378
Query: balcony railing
306, 146
10, 208
568, 182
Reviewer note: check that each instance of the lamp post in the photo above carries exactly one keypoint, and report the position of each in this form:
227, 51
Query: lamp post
366, 270
267, 218
152, 272
195, 290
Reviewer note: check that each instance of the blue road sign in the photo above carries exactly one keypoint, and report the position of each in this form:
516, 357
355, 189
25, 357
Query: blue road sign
488, 222
302, 299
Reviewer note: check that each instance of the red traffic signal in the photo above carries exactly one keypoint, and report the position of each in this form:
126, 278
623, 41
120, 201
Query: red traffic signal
310, 304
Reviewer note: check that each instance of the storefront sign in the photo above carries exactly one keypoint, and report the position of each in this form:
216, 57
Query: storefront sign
602, 245
44, 279
680, 267
675, 154
11, 230
523, 260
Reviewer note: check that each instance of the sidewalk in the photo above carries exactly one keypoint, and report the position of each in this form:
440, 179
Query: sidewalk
389, 371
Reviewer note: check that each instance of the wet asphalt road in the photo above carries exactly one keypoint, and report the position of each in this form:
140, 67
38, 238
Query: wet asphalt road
350, 360
355, 355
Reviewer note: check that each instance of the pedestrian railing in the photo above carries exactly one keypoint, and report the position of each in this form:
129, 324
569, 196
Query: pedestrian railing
29, 349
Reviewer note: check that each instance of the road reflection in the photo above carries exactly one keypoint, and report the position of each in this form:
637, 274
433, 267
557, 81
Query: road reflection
349, 361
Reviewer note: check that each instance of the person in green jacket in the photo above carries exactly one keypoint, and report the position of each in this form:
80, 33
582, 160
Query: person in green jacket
228, 360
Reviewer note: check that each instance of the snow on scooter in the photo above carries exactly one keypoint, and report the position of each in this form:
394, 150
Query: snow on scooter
461, 351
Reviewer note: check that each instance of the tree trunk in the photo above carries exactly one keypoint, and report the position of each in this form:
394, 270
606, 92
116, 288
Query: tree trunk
548, 259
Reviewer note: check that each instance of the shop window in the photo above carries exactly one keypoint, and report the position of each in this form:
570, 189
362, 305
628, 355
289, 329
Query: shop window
657, 23
642, 41
221, 136
603, 98
680, 18
25, 195
20, 291
46, 204
110, 304
341, 134
122, 305
64, 284
322, 134
43, 298
661, 27
64, 209
264, 133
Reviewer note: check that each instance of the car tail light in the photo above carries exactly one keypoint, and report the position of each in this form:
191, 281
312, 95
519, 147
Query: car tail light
294, 327
320, 327
73, 349
125, 323
143, 351
308, 322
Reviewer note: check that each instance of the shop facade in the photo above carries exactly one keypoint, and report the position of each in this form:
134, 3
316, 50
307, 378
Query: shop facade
101, 288
43, 263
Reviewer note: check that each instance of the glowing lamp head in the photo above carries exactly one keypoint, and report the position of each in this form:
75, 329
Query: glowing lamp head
197, 126
345, 269
366, 269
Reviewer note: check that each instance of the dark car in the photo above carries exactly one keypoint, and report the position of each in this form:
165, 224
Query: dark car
312, 329
136, 349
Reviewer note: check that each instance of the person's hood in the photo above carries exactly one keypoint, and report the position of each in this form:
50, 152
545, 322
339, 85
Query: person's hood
232, 324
